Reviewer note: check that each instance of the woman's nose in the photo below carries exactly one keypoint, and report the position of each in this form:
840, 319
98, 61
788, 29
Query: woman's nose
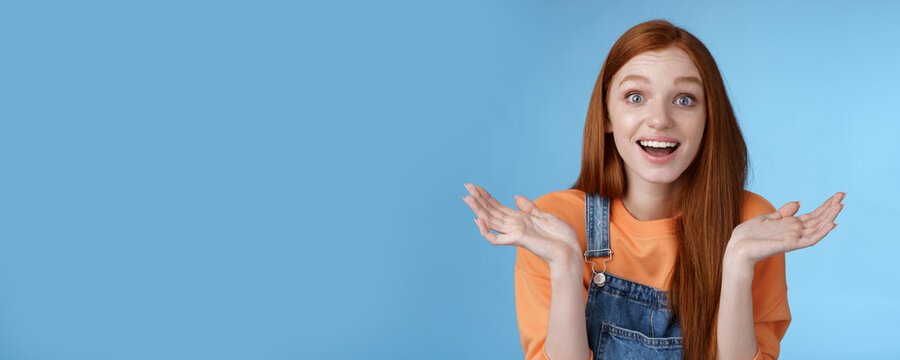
659, 117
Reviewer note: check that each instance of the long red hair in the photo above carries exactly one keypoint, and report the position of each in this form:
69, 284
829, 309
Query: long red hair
712, 187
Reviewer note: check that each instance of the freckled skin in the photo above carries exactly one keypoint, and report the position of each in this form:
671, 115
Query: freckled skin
659, 110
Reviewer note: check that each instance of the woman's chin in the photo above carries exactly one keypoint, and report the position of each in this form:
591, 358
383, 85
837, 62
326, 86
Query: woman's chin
667, 175
661, 179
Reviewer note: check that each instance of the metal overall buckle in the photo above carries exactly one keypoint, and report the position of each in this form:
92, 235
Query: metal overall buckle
598, 278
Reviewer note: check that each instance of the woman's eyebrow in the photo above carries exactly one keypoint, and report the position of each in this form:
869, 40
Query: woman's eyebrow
633, 77
691, 79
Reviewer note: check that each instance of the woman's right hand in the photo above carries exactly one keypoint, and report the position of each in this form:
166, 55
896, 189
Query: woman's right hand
539, 232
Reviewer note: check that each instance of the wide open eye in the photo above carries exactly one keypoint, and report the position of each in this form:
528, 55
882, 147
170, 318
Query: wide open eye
684, 100
634, 98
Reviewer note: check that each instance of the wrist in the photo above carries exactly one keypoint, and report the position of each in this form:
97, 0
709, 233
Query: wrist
736, 264
570, 266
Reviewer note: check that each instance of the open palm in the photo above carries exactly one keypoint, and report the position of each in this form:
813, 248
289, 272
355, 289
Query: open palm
539, 232
781, 231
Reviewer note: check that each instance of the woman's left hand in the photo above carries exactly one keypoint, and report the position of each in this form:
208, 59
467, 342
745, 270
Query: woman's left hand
781, 231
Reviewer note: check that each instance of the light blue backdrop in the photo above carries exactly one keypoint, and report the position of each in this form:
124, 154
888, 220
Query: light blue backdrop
280, 180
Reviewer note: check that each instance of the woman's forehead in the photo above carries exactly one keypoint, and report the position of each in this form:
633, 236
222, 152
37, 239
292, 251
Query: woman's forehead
671, 64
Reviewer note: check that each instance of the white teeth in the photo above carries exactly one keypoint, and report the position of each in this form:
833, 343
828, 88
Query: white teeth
658, 144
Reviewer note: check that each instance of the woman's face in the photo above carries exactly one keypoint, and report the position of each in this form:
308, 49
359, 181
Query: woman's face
657, 96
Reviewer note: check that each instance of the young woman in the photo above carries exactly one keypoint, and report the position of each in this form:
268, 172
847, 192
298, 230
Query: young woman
657, 251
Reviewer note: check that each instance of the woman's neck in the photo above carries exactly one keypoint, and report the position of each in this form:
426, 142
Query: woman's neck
648, 201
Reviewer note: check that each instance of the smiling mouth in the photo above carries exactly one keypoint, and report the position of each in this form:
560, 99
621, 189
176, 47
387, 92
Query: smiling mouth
658, 148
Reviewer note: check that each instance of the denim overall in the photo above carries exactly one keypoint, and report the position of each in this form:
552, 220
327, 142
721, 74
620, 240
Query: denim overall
625, 319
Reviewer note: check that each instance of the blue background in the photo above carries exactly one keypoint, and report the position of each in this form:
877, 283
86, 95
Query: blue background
280, 180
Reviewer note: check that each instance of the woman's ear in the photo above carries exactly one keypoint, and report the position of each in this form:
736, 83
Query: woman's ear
607, 125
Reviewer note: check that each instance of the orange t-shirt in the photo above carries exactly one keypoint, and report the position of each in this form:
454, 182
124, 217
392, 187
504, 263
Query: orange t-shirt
645, 253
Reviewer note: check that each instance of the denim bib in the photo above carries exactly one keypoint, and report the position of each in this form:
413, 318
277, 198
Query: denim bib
625, 319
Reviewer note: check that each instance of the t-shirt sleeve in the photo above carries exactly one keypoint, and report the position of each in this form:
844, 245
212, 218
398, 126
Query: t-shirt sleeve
771, 314
532, 283
532, 288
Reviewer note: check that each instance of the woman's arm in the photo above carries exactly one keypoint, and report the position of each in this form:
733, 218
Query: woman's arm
735, 332
752, 241
566, 329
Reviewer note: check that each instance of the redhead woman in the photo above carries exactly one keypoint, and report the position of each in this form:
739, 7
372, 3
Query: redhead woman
657, 250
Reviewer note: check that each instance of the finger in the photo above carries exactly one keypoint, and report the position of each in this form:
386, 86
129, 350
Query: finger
833, 213
479, 210
826, 217
817, 235
813, 234
482, 229
814, 219
526, 205
495, 220
495, 208
787, 210
824, 207
488, 200
491, 237
493, 201
813, 226
494, 223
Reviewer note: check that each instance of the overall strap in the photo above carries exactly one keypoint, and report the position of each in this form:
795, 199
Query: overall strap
596, 214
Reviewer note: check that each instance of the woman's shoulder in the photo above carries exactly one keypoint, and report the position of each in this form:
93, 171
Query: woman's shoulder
566, 204
561, 199
754, 205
